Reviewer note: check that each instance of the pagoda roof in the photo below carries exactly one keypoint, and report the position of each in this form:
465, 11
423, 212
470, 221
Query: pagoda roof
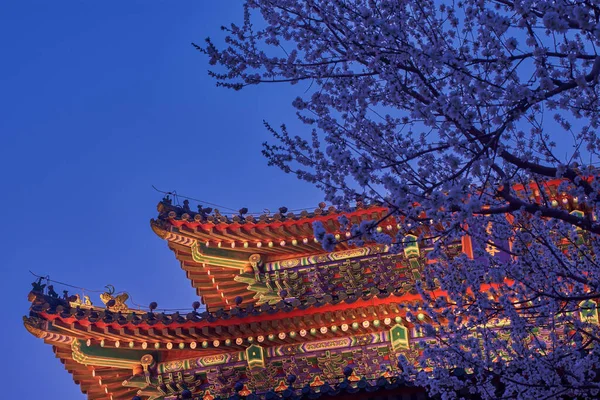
267, 284
290, 296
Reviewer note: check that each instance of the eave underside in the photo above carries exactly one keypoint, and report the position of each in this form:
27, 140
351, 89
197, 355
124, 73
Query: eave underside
98, 383
214, 284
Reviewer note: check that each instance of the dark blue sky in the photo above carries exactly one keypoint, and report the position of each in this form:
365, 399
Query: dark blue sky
99, 101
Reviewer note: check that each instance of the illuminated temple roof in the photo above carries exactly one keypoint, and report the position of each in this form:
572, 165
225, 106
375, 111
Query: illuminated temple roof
283, 318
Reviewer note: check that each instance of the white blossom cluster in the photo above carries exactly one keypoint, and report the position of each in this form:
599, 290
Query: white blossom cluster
473, 118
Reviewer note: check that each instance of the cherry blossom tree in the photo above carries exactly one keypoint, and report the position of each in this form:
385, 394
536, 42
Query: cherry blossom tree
473, 118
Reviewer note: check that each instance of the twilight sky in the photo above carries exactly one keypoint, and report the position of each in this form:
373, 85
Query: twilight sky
99, 101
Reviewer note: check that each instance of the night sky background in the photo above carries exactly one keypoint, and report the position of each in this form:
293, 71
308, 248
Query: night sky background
98, 102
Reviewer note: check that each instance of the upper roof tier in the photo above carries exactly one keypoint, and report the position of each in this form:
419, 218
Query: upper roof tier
260, 259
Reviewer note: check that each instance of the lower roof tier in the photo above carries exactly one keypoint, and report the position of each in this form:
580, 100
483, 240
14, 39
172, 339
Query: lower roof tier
256, 354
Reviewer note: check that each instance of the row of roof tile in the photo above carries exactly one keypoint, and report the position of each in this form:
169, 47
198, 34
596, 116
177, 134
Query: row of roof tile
55, 306
168, 210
